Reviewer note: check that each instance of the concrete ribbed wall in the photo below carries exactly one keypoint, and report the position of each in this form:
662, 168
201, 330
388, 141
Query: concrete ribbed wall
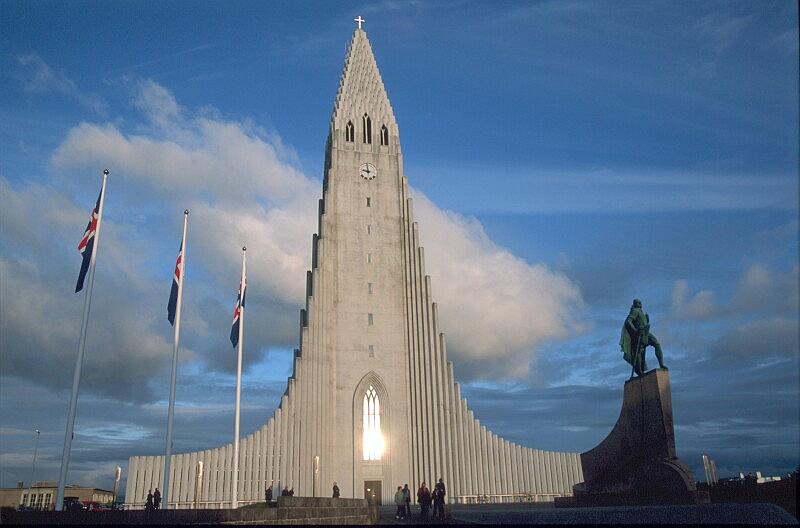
431, 432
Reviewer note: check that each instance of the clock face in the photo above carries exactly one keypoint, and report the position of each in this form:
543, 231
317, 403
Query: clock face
368, 171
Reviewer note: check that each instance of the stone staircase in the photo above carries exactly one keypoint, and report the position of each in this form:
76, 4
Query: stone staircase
306, 510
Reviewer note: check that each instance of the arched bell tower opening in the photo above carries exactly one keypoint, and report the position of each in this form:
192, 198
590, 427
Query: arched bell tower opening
371, 439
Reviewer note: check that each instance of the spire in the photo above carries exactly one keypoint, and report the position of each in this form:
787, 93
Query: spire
361, 89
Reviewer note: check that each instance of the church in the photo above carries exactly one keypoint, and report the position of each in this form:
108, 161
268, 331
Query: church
372, 402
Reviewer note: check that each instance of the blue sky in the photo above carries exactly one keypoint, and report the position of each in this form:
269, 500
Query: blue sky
595, 151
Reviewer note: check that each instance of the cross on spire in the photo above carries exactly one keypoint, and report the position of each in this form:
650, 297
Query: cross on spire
359, 21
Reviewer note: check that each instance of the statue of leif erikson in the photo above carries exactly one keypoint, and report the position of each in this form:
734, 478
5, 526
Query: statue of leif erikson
636, 337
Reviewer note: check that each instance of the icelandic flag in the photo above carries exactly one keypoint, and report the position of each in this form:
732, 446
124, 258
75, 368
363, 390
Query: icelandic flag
86, 245
238, 311
176, 282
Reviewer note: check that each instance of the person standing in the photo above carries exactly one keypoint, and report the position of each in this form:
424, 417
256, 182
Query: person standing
268, 494
149, 504
438, 500
157, 499
335, 490
400, 502
424, 499
407, 500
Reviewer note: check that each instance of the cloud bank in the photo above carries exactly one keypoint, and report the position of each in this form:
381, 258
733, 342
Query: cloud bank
242, 186
496, 308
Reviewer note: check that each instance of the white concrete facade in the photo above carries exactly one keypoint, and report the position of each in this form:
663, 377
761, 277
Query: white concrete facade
369, 321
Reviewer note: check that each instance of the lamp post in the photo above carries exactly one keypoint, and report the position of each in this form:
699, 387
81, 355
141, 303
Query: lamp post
117, 477
198, 482
316, 476
33, 466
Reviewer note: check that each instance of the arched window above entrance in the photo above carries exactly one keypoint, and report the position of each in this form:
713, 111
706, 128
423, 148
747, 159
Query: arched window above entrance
372, 435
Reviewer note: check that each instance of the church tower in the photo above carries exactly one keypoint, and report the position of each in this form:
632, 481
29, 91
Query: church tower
361, 274
372, 402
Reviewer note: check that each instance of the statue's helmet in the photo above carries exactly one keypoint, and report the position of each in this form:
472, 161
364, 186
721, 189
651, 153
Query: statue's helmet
637, 303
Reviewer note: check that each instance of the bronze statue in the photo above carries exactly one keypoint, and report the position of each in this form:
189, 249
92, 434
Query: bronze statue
635, 339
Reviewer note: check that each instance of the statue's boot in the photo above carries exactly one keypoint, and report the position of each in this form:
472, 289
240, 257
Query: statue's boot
660, 358
659, 354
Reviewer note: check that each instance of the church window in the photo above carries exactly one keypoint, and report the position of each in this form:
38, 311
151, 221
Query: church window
369, 287
384, 135
372, 436
371, 351
369, 257
370, 319
349, 132
367, 128
369, 202
369, 229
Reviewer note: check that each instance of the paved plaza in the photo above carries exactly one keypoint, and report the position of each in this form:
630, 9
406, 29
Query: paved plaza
546, 513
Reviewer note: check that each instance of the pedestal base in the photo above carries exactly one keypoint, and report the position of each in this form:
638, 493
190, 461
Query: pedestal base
636, 463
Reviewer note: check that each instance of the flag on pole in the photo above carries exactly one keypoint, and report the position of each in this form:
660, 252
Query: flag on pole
237, 311
86, 245
176, 281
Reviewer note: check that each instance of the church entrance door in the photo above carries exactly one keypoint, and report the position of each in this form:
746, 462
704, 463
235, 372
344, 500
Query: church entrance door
372, 489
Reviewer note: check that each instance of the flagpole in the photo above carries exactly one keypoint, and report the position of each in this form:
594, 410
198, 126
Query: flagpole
76, 381
235, 476
175, 345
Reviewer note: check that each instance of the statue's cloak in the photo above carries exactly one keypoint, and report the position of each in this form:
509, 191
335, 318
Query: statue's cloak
626, 344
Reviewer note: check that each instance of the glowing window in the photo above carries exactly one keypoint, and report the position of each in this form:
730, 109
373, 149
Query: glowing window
373, 439
349, 132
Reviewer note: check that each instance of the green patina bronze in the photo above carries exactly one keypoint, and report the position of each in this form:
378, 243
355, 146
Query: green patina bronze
636, 337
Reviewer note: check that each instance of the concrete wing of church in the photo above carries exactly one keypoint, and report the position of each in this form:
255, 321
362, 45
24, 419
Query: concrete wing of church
372, 402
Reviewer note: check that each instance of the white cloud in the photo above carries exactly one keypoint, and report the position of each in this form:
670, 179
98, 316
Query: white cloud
700, 306
241, 187
758, 291
763, 291
495, 308
157, 103
37, 76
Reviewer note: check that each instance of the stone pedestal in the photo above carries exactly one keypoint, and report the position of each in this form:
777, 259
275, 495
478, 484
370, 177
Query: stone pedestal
636, 463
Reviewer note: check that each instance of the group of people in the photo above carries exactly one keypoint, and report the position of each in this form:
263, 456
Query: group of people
286, 492
402, 498
153, 500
